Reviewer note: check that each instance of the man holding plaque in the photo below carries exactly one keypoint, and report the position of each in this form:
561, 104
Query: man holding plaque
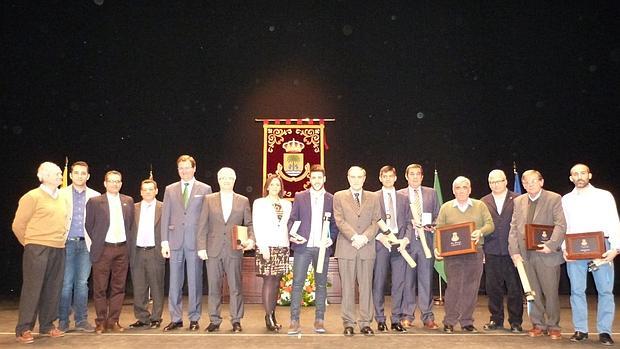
542, 266
589, 209
418, 280
500, 271
309, 209
464, 270
220, 213
396, 214
356, 212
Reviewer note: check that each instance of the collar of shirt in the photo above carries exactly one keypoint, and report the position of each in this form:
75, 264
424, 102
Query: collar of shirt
75, 190
359, 192
392, 191
501, 196
584, 190
317, 194
112, 196
191, 182
536, 197
455, 203
53, 193
147, 204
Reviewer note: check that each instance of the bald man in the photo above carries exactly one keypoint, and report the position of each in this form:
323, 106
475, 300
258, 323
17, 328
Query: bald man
39, 225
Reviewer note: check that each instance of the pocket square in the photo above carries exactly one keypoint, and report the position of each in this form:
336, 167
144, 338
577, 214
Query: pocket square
199, 195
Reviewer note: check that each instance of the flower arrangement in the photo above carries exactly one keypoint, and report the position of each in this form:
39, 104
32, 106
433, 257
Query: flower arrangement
307, 293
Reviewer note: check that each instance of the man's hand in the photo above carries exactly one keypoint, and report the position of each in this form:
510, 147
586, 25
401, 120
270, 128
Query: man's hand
516, 259
565, 254
165, 249
384, 241
475, 236
297, 241
265, 253
403, 244
326, 242
437, 256
247, 245
544, 249
203, 254
610, 255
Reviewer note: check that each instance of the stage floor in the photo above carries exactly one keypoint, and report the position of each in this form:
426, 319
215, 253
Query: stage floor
255, 335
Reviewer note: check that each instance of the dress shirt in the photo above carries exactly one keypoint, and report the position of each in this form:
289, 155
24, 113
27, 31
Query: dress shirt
189, 187
499, 201
463, 207
226, 199
317, 198
77, 221
386, 202
52, 193
592, 209
410, 190
116, 231
146, 227
535, 197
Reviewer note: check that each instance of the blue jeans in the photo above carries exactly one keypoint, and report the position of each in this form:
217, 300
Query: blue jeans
604, 281
75, 283
301, 261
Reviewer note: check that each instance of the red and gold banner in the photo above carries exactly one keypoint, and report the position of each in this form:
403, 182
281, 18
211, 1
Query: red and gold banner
290, 147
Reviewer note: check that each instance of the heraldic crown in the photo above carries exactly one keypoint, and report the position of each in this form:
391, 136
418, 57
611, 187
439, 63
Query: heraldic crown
293, 146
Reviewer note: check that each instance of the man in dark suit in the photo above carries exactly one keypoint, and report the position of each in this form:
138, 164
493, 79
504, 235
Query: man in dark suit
309, 209
418, 280
396, 214
356, 212
109, 218
183, 202
500, 272
220, 213
542, 266
148, 266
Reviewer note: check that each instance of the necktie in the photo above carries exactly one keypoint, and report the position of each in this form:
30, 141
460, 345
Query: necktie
186, 194
391, 213
357, 199
417, 205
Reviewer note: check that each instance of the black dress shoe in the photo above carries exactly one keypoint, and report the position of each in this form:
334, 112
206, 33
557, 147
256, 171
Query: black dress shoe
605, 339
155, 324
470, 329
348, 331
398, 327
516, 328
367, 331
212, 327
138, 324
193, 326
579, 336
382, 327
173, 326
237, 327
448, 328
492, 326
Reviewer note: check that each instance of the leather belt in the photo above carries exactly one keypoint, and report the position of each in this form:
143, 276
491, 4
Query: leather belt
116, 244
77, 238
146, 248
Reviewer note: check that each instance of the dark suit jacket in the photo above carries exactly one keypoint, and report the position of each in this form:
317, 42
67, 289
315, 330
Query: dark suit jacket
496, 243
548, 212
403, 216
430, 204
133, 234
302, 211
97, 221
214, 234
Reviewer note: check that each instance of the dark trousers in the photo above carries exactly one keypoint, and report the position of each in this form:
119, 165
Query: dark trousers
43, 268
384, 262
502, 278
147, 273
229, 265
110, 270
463, 273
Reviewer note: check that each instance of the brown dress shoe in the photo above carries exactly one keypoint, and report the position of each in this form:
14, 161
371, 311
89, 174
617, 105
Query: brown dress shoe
431, 325
406, 323
116, 327
535, 332
555, 334
25, 338
54, 333
100, 328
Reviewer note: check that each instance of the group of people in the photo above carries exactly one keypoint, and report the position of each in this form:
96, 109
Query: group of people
65, 231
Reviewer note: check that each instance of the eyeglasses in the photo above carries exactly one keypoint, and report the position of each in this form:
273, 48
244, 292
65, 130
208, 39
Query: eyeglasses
497, 182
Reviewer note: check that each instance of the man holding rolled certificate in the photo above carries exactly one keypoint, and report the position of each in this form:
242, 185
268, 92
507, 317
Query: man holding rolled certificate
396, 216
542, 266
312, 210
356, 212
463, 270
221, 213
589, 209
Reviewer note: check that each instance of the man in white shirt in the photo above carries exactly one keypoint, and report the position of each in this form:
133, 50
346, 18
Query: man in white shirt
589, 209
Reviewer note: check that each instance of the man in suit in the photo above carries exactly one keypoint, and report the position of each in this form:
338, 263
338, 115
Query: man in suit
148, 266
542, 266
220, 213
418, 280
356, 212
77, 259
309, 208
183, 202
39, 226
501, 273
109, 218
396, 214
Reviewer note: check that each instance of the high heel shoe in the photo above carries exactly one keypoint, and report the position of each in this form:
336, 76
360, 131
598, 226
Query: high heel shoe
269, 323
274, 321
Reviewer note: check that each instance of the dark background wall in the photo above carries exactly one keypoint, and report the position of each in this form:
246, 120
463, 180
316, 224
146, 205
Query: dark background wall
464, 87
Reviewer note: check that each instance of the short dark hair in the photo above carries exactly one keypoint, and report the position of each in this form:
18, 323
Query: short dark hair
387, 168
317, 168
79, 163
148, 181
113, 172
411, 166
187, 158
268, 181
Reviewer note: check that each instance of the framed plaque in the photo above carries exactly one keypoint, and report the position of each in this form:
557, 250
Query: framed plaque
239, 235
536, 234
585, 245
455, 239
